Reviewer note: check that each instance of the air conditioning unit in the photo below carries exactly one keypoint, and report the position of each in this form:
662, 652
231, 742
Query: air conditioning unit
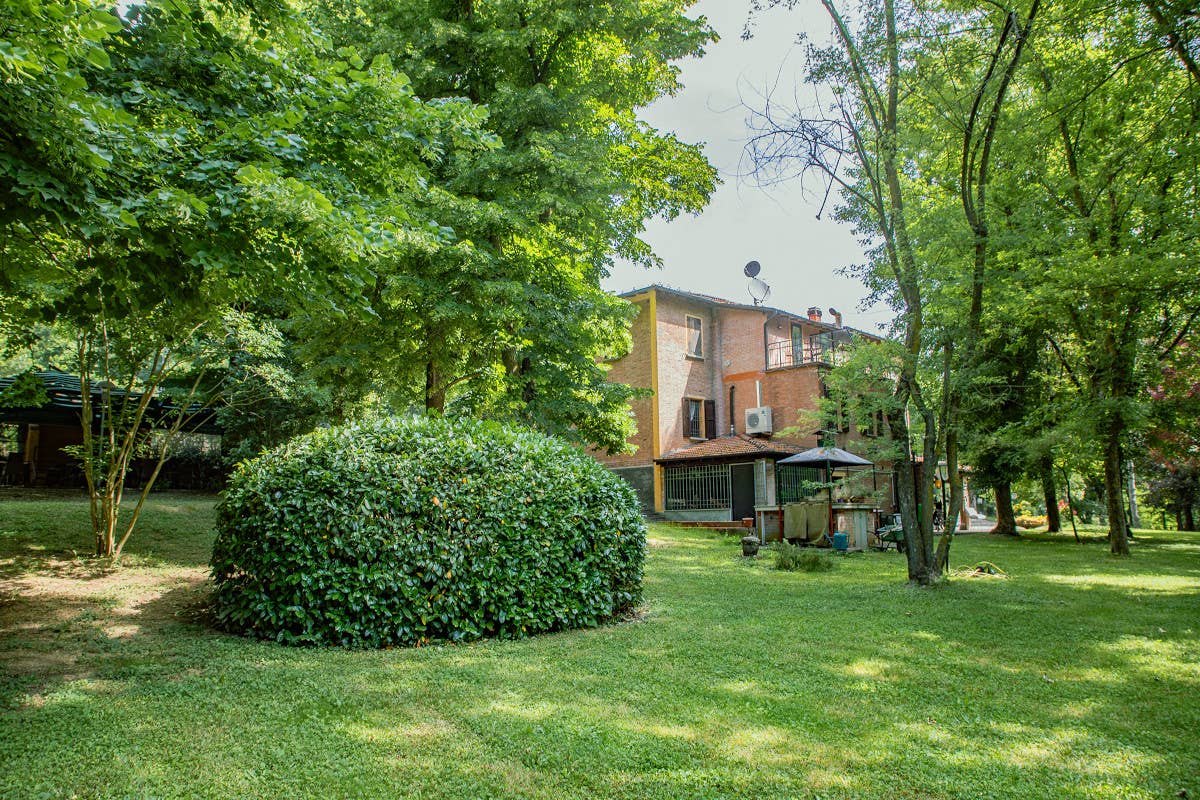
758, 420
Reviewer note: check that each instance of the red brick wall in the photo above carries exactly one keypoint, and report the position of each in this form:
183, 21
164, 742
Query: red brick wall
734, 355
792, 394
634, 370
742, 363
742, 341
680, 375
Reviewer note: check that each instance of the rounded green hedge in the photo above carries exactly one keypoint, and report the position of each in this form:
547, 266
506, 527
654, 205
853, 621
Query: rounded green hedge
407, 530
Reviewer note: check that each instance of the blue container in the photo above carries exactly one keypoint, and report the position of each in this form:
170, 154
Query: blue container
840, 542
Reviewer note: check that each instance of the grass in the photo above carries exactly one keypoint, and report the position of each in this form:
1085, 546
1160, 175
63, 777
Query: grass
1078, 676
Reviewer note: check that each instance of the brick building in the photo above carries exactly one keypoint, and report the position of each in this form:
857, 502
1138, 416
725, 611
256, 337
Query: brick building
734, 388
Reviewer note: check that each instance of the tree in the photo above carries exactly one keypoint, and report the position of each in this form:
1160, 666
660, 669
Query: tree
1109, 210
244, 157
1171, 459
909, 89
1089, 178
509, 320
856, 149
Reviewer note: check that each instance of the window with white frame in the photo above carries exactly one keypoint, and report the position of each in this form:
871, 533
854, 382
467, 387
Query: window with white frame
695, 337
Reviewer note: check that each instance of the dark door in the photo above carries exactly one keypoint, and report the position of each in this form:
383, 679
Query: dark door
741, 477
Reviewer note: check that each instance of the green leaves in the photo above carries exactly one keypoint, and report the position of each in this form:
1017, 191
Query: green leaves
406, 530
498, 310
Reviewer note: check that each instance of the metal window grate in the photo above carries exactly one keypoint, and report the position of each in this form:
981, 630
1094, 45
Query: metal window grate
696, 488
789, 483
694, 410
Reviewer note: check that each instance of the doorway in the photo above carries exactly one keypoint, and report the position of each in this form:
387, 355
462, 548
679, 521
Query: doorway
741, 480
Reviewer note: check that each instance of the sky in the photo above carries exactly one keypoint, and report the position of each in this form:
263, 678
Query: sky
778, 226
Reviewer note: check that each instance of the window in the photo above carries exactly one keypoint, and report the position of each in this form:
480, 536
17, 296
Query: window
695, 418
830, 347
700, 488
695, 340
873, 425
798, 345
699, 418
842, 416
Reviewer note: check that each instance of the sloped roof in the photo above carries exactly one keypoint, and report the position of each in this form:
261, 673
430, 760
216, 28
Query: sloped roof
834, 456
64, 404
722, 302
731, 446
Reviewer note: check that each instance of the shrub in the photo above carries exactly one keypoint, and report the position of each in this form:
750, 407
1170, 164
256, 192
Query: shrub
793, 558
190, 467
407, 530
1030, 522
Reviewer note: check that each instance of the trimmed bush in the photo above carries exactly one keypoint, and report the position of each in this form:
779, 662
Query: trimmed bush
408, 530
1031, 521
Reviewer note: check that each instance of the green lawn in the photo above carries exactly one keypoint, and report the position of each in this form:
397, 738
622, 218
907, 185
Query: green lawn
1077, 677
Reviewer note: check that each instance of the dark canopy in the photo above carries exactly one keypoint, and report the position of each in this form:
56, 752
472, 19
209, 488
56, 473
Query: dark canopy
64, 404
825, 456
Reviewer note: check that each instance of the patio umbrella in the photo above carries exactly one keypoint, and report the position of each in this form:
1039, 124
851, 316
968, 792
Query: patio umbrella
830, 457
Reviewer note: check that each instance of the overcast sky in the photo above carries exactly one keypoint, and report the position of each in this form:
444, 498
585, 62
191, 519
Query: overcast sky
776, 227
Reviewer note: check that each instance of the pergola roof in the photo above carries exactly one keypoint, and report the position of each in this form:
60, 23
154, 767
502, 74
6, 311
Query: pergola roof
65, 403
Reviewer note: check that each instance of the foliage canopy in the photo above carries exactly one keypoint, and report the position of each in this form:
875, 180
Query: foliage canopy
412, 529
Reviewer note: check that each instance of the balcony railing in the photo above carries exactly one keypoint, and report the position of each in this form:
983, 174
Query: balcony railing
786, 353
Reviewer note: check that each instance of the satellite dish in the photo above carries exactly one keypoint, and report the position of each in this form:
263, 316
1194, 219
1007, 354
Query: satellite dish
758, 290
751, 269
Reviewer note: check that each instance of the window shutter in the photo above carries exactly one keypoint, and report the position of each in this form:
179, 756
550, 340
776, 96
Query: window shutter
710, 419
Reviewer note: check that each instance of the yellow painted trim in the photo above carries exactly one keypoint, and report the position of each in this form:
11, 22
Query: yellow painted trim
658, 481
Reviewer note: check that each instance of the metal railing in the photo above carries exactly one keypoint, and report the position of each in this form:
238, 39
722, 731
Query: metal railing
697, 488
786, 353
794, 483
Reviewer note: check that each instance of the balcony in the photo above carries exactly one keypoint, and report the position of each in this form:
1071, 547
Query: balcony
786, 353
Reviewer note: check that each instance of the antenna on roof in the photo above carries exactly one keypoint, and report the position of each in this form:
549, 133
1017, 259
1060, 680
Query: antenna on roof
759, 291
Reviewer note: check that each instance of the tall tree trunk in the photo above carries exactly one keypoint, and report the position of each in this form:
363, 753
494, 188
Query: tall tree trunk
528, 388
1050, 494
1118, 539
906, 490
1189, 518
1131, 489
941, 560
879, 159
435, 392
1006, 522
1070, 504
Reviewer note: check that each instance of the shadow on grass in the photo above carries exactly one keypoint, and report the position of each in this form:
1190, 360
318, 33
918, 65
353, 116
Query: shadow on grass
741, 681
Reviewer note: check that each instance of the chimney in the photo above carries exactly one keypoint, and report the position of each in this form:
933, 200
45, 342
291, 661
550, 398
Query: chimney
814, 314
837, 317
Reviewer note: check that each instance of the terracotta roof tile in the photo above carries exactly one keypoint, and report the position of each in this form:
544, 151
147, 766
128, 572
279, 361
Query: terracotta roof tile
731, 446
